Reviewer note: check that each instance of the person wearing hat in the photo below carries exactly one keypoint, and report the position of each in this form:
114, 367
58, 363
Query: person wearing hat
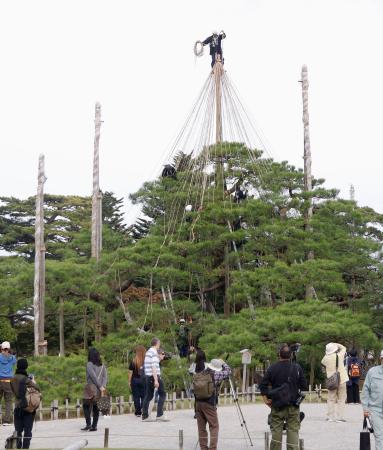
7, 364
23, 420
206, 409
215, 45
336, 353
372, 401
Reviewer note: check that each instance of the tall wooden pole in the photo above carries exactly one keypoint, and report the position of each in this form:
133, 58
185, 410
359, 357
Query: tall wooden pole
61, 327
96, 193
97, 207
307, 166
39, 281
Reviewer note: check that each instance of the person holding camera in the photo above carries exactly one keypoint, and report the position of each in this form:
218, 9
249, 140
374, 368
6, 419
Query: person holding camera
281, 391
7, 365
153, 381
206, 381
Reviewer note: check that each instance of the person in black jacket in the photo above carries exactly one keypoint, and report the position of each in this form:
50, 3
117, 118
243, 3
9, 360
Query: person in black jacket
280, 389
215, 45
23, 419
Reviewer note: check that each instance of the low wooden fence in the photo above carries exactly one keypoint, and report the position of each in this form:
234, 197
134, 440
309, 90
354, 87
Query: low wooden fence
119, 405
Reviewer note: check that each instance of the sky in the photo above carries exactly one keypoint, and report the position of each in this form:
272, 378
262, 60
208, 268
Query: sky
136, 57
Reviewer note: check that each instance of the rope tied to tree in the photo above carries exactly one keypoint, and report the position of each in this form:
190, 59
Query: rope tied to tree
198, 49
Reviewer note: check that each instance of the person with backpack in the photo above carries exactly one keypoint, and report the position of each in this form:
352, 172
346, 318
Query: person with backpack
206, 381
95, 388
281, 391
354, 367
7, 367
137, 379
333, 361
27, 401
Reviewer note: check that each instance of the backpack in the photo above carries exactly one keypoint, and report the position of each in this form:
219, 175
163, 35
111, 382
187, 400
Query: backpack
354, 370
33, 399
203, 385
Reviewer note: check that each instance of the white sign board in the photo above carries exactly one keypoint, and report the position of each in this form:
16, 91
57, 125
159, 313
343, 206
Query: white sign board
246, 357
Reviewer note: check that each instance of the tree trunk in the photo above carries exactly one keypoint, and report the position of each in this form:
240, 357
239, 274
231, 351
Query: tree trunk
312, 371
61, 326
85, 331
226, 304
97, 326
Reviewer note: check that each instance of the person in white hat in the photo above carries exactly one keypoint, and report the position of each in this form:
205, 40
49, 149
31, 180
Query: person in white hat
206, 381
336, 399
372, 401
7, 365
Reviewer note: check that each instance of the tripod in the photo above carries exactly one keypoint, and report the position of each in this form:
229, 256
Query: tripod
242, 420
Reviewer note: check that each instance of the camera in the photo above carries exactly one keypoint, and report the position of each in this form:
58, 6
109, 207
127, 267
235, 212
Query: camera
299, 400
294, 348
167, 355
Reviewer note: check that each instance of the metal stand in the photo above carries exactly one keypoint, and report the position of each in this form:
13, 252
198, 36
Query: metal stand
242, 420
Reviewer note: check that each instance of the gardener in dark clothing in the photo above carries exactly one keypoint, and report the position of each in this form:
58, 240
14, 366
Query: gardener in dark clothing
215, 45
206, 409
284, 402
23, 420
354, 368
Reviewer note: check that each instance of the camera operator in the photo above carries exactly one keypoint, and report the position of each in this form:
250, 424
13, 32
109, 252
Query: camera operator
286, 380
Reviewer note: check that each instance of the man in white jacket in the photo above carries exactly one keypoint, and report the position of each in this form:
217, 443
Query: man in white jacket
338, 396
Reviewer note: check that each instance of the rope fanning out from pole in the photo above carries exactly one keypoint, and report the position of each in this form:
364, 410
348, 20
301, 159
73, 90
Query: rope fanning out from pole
198, 49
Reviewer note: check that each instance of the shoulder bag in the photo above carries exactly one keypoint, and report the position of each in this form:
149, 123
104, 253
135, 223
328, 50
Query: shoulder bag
333, 382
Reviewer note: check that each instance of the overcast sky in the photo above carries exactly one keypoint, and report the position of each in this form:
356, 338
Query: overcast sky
136, 57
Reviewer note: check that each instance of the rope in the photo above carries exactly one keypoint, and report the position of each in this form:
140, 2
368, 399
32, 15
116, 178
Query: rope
198, 51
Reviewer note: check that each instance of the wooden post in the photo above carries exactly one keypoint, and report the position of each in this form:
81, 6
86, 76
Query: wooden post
244, 379
61, 327
39, 282
181, 439
106, 438
267, 440
301, 444
307, 167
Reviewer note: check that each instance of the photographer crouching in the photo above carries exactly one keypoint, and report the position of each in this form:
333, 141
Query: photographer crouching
281, 390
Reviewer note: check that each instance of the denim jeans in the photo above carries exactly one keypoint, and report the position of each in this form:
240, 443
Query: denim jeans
149, 392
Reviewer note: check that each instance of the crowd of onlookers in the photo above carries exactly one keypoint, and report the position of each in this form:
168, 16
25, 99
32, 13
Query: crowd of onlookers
282, 389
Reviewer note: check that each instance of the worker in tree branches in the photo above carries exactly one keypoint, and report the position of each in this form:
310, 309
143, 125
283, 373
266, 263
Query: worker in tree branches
215, 45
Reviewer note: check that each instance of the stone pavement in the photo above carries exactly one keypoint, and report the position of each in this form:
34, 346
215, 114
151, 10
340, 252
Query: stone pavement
127, 431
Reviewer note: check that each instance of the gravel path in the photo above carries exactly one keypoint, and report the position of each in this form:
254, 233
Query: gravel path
127, 431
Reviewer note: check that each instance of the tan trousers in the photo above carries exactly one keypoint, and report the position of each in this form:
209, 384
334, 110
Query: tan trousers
207, 413
338, 397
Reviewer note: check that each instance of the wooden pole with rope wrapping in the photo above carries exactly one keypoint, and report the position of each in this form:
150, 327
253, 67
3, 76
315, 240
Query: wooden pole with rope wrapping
310, 293
39, 281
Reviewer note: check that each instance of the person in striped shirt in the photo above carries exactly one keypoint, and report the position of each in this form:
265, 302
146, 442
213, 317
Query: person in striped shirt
153, 381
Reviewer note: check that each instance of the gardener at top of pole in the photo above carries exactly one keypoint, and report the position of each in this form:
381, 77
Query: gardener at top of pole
215, 45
